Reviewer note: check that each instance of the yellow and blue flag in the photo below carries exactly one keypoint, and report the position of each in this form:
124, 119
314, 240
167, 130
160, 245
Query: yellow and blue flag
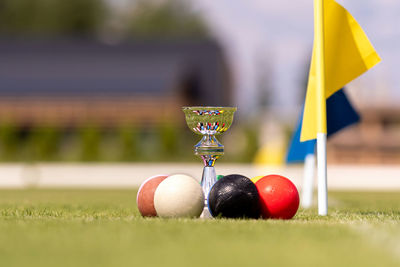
348, 53
340, 114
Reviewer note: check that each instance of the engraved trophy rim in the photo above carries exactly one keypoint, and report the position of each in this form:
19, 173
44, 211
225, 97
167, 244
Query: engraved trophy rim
208, 107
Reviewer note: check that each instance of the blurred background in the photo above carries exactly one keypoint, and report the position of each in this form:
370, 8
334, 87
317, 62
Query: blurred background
105, 80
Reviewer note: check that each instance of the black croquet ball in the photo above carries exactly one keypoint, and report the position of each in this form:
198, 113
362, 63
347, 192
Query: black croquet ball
234, 196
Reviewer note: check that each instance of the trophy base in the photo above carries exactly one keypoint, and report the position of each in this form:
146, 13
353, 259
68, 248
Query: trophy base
206, 214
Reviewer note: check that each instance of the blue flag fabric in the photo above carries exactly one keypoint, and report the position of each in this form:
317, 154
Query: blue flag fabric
340, 114
299, 150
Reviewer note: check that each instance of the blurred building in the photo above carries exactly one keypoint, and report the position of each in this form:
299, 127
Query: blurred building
375, 140
73, 82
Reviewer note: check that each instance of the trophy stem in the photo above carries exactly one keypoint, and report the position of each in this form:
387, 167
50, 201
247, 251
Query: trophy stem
207, 181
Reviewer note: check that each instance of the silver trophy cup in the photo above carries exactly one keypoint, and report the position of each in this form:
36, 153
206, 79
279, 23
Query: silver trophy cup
208, 122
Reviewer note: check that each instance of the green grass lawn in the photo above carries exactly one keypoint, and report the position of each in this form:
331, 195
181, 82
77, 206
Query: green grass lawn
103, 228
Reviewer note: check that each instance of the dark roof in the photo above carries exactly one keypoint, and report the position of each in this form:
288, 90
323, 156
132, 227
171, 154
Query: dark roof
79, 67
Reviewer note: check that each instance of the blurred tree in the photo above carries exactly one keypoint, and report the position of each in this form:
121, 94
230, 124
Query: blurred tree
252, 140
43, 143
166, 19
128, 141
70, 145
168, 135
90, 143
8, 141
51, 17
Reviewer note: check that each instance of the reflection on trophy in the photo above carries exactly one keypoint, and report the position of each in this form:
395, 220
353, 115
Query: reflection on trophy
208, 122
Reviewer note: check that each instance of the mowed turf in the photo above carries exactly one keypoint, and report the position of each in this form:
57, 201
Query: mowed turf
104, 228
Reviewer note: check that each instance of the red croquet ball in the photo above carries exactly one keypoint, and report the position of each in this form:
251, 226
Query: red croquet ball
145, 195
279, 198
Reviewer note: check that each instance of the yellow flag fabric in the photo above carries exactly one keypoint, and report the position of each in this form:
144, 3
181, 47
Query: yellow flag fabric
348, 54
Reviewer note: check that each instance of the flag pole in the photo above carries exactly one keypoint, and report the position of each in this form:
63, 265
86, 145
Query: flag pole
321, 106
308, 181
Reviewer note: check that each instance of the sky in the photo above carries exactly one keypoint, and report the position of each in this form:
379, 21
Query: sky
272, 39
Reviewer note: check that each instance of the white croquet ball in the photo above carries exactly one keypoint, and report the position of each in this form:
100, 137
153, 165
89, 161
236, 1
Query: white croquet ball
179, 195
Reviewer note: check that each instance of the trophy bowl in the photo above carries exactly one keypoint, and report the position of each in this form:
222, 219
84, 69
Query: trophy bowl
208, 122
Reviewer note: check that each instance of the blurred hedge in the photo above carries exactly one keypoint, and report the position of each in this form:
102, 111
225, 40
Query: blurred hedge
90, 143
